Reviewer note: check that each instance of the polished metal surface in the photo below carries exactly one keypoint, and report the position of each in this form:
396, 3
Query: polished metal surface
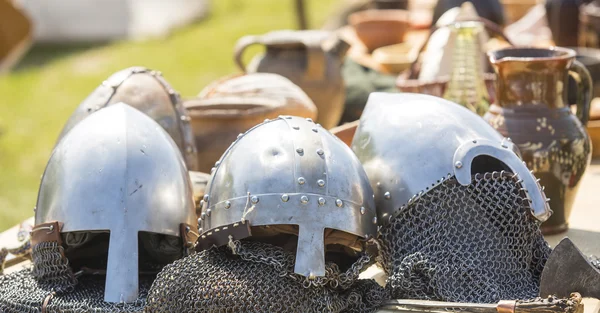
410, 143
147, 91
117, 171
291, 171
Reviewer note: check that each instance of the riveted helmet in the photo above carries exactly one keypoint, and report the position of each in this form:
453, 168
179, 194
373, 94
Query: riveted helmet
460, 210
424, 140
289, 171
147, 91
120, 182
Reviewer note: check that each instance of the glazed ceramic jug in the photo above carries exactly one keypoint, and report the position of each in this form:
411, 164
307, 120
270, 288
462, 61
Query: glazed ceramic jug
310, 59
531, 109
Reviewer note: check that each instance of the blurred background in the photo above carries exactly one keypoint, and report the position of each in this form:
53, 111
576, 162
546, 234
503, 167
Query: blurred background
61, 67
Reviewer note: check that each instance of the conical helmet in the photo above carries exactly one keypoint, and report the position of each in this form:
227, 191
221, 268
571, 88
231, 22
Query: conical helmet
289, 171
410, 143
115, 172
147, 91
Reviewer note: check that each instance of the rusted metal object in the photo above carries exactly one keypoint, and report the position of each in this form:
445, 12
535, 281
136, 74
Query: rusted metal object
234, 104
310, 59
530, 109
568, 270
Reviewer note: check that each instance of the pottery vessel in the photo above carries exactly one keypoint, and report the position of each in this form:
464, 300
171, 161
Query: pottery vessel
531, 109
310, 59
380, 28
589, 25
233, 105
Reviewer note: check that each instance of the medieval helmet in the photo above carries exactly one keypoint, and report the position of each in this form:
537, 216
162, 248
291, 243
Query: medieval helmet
147, 91
409, 143
127, 179
288, 171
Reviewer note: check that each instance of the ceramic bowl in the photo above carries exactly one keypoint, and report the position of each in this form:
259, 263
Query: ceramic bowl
395, 58
379, 28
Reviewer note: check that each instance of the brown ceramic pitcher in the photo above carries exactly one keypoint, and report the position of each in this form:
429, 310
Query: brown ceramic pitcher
309, 60
532, 110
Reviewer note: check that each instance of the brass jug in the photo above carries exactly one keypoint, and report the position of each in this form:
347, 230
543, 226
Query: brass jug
310, 59
532, 110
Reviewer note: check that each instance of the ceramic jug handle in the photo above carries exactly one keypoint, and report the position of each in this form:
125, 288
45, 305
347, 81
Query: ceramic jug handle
584, 90
240, 47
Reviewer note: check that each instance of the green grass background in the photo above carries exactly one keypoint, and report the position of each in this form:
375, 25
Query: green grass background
39, 95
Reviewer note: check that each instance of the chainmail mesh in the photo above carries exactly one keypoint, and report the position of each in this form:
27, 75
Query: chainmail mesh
475, 243
20, 292
51, 267
251, 276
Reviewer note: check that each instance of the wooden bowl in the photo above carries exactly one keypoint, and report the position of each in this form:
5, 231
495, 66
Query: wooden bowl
395, 58
379, 28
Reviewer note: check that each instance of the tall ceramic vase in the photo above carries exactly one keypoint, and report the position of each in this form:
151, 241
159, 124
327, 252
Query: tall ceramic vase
531, 109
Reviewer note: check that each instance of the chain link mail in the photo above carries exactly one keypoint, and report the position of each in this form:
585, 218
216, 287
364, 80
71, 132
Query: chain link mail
251, 276
475, 243
20, 292
51, 267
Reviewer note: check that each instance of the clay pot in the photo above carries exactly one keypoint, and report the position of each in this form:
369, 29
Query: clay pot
233, 105
346, 132
379, 28
514, 10
531, 109
395, 58
310, 59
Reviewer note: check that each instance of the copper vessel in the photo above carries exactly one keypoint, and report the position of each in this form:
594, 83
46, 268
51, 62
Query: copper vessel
310, 59
233, 105
532, 110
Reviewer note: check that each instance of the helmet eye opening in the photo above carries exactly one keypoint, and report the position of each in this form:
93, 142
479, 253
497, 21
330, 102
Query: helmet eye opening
485, 164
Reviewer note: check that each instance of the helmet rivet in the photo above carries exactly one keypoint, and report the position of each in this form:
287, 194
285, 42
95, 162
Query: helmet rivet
474, 141
300, 150
362, 210
304, 199
205, 198
301, 180
296, 127
212, 170
320, 151
199, 228
387, 195
339, 203
315, 130
458, 164
208, 212
201, 203
240, 135
321, 201
285, 197
266, 120
321, 183
509, 140
200, 221
374, 219
203, 216
217, 163
254, 199
308, 119
318, 125
227, 204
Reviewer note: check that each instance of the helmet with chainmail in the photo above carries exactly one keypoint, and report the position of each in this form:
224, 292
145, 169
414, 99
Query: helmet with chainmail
461, 211
147, 91
289, 175
114, 206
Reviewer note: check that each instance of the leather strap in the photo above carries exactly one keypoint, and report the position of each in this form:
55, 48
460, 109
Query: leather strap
47, 301
188, 236
220, 236
46, 232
